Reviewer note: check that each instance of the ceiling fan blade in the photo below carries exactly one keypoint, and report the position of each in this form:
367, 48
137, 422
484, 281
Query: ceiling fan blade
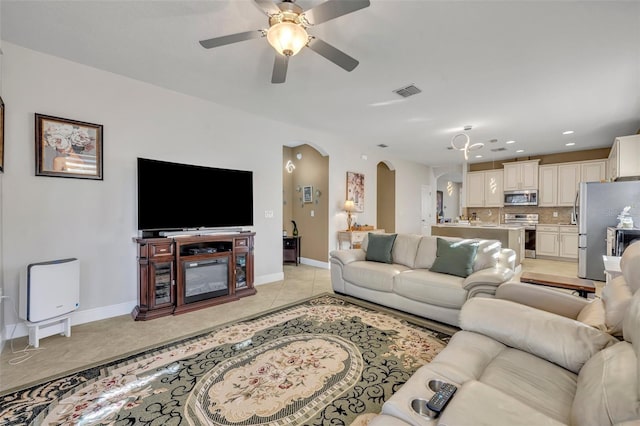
332, 9
280, 69
233, 38
336, 56
269, 7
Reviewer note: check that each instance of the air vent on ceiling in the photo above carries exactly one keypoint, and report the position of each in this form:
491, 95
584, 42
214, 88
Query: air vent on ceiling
449, 147
407, 91
499, 149
382, 145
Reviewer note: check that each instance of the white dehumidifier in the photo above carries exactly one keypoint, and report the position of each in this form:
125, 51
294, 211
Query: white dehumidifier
49, 293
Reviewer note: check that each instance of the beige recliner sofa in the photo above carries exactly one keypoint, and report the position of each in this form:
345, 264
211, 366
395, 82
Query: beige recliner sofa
518, 365
408, 284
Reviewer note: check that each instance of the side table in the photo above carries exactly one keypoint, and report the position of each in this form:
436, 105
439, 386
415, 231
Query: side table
291, 249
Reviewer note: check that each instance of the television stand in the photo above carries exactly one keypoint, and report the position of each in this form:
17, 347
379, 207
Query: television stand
163, 264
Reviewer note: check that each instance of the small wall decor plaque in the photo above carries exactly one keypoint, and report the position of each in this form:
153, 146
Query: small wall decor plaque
68, 148
307, 194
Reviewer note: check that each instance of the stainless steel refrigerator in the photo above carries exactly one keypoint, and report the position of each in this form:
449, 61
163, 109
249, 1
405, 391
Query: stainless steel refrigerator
598, 206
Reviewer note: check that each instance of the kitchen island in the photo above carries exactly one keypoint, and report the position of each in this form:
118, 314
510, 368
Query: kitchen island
511, 236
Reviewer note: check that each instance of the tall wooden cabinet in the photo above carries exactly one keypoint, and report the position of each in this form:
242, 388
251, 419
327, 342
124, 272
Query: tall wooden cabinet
163, 279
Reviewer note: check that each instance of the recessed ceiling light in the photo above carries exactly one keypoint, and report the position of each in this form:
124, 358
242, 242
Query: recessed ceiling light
510, 142
520, 150
568, 132
478, 156
570, 143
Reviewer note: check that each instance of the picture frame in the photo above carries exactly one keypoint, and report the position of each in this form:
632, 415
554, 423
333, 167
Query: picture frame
68, 148
355, 190
1, 135
307, 194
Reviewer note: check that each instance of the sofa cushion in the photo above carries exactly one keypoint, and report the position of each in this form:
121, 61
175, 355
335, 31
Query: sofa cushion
379, 247
405, 248
593, 314
607, 388
487, 255
616, 297
372, 275
455, 257
431, 287
426, 252
540, 384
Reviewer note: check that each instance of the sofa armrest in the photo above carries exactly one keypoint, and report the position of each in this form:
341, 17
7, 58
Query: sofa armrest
544, 298
347, 256
557, 339
507, 258
488, 277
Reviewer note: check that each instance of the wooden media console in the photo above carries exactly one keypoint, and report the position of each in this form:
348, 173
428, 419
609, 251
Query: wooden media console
184, 273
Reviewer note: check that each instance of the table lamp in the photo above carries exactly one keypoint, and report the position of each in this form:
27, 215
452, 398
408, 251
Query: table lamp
348, 207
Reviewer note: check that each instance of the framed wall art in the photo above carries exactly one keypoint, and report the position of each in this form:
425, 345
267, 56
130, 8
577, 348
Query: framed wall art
307, 194
355, 190
1, 136
68, 148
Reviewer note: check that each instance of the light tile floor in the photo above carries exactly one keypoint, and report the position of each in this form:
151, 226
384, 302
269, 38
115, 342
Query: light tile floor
99, 341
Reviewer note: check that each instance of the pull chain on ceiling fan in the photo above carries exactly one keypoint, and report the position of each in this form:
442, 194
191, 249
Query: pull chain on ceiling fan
287, 32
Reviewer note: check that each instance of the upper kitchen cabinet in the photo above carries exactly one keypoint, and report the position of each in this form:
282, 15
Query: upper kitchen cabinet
548, 186
624, 158
484, 189
571, 174
521, 175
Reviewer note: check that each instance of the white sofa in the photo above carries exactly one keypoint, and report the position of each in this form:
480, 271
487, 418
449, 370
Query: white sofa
518, 365
407, 283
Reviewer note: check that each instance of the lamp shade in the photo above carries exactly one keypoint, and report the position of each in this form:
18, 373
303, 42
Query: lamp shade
349, 205
287, 38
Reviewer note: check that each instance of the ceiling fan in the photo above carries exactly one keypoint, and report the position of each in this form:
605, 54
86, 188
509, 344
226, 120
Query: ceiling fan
287, 32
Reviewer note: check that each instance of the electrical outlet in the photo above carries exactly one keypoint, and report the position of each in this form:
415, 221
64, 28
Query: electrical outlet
268, 214
555, 214
313, 213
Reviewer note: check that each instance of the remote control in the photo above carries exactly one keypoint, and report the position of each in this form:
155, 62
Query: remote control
440, 399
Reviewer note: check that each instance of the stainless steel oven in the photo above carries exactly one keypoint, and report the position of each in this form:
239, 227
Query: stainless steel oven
529, 221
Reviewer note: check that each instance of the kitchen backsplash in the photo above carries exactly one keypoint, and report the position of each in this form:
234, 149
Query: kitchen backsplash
545, 213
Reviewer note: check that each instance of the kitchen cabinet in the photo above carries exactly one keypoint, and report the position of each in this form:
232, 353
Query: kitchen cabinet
557, 241
484, 189
547, 241
558, 183
521, 175
548, 186
624, 158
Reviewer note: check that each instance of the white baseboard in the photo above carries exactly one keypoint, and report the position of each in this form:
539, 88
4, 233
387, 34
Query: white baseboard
270, 278
313, 262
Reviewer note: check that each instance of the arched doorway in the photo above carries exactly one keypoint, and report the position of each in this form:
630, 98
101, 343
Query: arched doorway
305, 191
386, 200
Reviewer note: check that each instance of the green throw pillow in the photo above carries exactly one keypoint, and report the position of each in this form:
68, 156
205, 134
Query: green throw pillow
455, 258
379, 247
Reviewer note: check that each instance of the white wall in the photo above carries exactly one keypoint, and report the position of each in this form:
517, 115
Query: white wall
46, 218
409, 180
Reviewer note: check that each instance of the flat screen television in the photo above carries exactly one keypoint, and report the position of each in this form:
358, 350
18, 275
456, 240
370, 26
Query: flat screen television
173, 196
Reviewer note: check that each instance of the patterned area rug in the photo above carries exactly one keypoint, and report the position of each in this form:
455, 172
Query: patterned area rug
324, 361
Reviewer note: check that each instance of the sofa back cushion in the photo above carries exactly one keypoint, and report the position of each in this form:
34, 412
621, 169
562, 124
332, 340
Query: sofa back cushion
405, 248
379, 247
455, 257
487, 255
426, 252
607, 391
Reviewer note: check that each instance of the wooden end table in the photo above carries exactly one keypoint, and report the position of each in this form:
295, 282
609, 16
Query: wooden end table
582, 286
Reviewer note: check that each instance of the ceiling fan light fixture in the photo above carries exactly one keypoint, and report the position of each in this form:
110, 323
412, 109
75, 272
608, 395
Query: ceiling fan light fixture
287, 38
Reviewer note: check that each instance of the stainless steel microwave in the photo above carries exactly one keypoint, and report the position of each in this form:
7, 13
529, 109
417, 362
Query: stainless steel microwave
527, 197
